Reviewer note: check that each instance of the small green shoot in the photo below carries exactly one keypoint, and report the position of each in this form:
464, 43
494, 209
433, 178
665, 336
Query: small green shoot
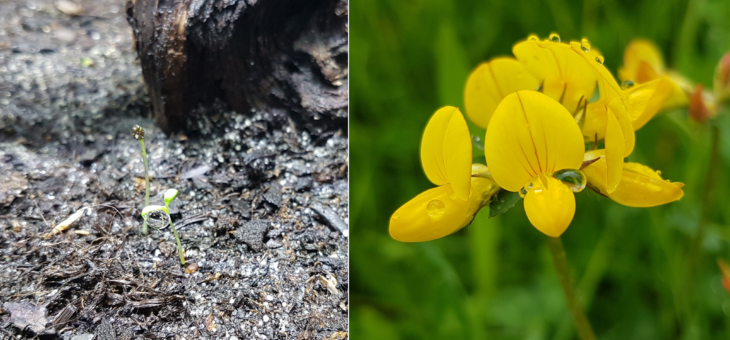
170, 195
138, 134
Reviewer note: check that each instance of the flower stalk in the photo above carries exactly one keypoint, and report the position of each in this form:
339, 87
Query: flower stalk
585, 332
138, 133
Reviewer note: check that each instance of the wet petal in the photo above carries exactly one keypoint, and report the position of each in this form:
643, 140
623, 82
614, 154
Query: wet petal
489, 83
446, 150
530, 134
644, 101
550, 206
640, 186
565, 76
437, 212
642, 62
607, 85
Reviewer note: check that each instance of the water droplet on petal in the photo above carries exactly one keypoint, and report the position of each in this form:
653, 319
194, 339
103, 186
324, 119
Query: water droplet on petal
574, 179
585, 45
627, 85
523, 192
599, 59
436, 208
532, 37
554, 37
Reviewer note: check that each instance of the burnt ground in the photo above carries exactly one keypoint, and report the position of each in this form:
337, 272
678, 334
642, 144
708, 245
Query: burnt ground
262, 209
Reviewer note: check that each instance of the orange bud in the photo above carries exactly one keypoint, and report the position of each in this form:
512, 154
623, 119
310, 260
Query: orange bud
698, 111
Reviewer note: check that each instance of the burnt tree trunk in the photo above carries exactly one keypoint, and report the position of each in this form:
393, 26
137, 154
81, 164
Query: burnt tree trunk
253, 54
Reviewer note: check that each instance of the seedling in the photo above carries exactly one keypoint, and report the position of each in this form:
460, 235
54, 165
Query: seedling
170, 195
138, 134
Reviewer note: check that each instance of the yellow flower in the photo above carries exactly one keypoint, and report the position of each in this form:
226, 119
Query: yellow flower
446, 157
563, 73
640, 186
568, 73
530, 137
643, 63
490, 82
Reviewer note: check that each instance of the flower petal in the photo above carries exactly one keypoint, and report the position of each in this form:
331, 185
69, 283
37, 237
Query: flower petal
643, 62
614, 143
490, 82
550, 206
530, 134
680, 95
607, 85
594, 123
617, 108
446, 150
437, 212
564, 75
640, 186
644, 101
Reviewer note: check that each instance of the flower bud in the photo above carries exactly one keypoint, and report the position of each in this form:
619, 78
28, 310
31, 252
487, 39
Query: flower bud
722, 79
138, 132
698, 108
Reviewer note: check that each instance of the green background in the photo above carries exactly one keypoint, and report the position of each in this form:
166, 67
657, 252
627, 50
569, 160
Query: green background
494, 279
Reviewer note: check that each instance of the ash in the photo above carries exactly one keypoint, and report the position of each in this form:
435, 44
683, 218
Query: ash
262, 209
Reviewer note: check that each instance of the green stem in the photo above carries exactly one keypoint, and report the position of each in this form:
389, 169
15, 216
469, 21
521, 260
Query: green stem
146, 183
177, 239
561, 267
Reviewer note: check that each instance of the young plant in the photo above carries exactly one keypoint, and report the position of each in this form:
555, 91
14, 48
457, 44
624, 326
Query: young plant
138, 134
170, 195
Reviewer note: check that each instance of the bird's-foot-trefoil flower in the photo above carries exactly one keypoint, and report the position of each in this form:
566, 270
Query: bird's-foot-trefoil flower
639, 186
530, 142
463, 187
643, 62
568, 73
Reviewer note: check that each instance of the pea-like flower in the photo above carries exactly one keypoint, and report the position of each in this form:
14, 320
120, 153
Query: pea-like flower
643, 62
446, 157
530, 138
568, 73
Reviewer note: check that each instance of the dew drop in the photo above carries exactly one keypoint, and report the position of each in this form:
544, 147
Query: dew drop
574, 179
585, 45
532, 37
554, 37
523, 192
476, 141
627, 85
436, 208
599, 59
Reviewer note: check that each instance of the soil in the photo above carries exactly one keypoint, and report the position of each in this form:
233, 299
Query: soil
261, 214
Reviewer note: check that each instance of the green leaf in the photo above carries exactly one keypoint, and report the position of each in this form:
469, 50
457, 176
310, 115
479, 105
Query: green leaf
503, 201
